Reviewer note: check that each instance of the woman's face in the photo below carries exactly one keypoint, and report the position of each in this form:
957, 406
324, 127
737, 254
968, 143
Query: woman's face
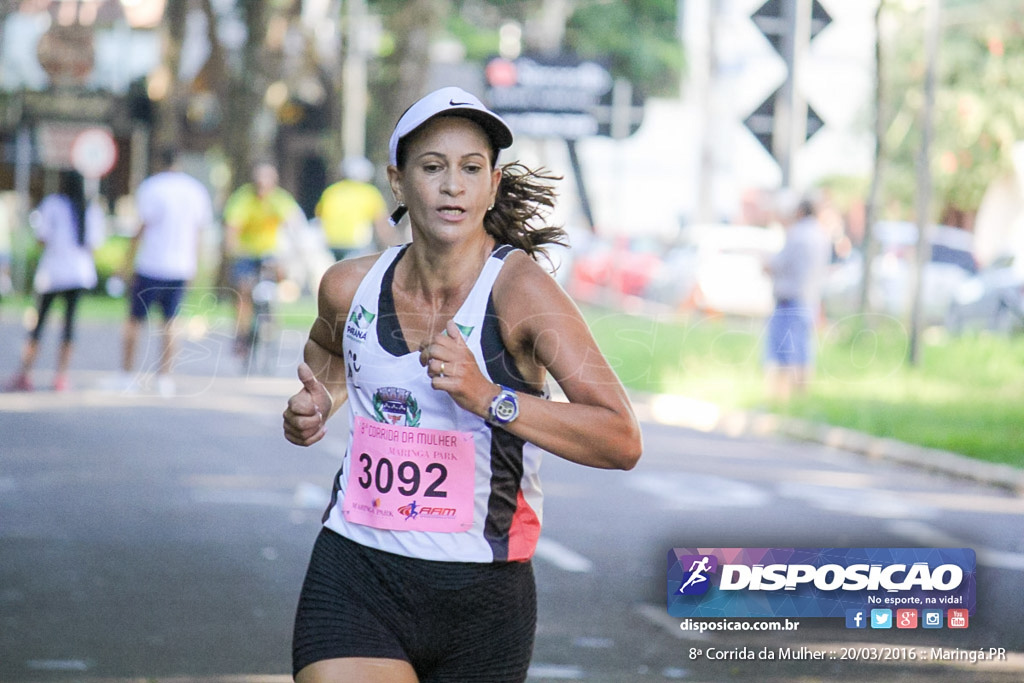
448, 181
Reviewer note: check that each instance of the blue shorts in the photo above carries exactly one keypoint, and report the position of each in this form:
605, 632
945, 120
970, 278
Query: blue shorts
454, 622
246, 269
147, 292
790, 335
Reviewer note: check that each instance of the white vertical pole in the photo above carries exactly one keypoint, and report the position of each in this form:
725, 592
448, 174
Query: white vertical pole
924, 176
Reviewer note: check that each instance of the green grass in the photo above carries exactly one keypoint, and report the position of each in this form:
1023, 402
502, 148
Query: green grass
966, 395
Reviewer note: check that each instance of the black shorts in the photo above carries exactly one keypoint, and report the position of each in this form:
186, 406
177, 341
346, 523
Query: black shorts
452, 621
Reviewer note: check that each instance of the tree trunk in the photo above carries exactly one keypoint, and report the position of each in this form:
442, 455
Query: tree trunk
169, 109
871, 210
408, 68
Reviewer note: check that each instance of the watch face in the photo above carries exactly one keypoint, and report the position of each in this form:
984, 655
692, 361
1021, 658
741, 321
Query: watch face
506, 409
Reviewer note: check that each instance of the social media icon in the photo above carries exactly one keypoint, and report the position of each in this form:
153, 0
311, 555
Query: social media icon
931, 618
881, 618
957, 618
906, 618
856, 618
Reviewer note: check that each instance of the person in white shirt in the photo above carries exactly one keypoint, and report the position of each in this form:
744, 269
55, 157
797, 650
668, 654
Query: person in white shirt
173, 210
69, 229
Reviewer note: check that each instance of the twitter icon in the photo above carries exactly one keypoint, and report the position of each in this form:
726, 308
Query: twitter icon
881, 618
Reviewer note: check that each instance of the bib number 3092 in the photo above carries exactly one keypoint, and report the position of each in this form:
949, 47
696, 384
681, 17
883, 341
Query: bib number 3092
410, 478
384, 474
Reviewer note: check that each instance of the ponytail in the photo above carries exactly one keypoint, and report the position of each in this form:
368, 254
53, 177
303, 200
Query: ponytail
524, 200
72, 186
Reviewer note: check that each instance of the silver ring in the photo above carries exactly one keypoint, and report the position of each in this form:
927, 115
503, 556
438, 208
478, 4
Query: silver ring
442, 369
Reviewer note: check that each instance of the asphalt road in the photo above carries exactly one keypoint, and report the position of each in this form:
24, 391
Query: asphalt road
166, 539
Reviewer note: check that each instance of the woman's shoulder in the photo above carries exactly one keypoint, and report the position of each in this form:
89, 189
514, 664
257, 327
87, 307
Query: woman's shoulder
525, 288
341, 280
522, 269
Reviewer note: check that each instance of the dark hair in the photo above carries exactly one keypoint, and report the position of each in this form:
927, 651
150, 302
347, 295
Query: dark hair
167, 157
524, 200
72, 185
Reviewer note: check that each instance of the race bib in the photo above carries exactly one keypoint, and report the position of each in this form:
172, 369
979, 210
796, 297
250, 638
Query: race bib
410, 478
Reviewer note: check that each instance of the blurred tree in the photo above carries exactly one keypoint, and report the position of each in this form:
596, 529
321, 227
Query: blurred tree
639, 37
170, 102
239, 75
979, 109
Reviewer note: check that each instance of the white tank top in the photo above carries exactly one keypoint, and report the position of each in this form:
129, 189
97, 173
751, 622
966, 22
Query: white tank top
414, 454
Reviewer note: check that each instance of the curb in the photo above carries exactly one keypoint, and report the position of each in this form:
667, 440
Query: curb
681, 411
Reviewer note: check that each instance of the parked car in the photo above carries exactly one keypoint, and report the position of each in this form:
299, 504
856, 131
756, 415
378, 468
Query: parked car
719, 268
993, 299
621, 267
951, 262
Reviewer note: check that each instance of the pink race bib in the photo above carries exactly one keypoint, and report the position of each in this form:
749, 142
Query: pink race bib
410, 478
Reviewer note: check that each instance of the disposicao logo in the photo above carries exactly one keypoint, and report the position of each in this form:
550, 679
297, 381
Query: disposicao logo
696, 580
818, 582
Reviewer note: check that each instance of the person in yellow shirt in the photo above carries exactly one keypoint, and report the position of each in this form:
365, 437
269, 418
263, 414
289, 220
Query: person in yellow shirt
353, 213
254, 216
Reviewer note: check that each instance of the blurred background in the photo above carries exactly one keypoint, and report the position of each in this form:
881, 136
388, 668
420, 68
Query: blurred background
182, 524
674, 123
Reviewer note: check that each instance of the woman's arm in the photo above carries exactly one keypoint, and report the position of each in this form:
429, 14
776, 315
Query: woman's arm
323, 371
544, 331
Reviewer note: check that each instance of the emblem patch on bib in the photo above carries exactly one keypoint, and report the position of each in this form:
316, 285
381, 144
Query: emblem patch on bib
396, 406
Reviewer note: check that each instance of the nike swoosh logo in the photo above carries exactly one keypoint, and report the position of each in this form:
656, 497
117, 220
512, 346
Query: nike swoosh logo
453, 103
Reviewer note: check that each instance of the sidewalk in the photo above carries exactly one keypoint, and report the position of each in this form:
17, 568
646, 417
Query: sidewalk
707, 417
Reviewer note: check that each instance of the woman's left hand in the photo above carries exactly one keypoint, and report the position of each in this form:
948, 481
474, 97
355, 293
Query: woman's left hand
452, 367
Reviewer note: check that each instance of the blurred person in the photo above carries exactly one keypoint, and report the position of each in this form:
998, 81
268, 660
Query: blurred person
173, 209
255, 215
797, 272
69, 228
353, 213
6, 286
425, 575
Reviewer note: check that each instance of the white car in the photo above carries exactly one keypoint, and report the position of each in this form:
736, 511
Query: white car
992, 300
892, 272
719, 268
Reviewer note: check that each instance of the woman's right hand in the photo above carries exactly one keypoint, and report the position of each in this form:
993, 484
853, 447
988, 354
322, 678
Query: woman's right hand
306, 415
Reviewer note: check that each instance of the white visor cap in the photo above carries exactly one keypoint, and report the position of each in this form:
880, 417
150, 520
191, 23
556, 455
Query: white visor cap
450, 101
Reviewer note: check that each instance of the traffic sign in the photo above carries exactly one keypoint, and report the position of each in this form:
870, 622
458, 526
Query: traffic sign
770, 20
761, 122
94, 152
561, 97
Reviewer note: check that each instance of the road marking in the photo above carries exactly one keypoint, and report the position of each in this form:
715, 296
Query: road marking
563, 558
689, 491
923, 533
276, 499
57, 665
557, 671
864, 502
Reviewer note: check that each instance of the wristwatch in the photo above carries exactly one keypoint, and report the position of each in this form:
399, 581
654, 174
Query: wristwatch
504, 408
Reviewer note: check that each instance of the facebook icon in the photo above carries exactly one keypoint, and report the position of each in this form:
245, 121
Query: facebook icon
856, 618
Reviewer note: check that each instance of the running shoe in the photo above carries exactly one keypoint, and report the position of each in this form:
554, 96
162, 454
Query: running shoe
18, 383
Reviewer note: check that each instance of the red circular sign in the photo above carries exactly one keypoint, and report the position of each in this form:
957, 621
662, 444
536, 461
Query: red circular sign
94, 152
